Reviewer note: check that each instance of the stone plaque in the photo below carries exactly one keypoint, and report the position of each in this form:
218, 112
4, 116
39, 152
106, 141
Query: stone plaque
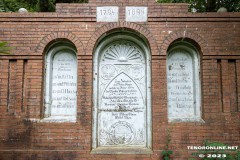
182, 87
107, 14
136, 14
122, 96
64, 85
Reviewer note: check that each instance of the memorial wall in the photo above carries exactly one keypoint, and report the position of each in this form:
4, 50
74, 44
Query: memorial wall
118, 80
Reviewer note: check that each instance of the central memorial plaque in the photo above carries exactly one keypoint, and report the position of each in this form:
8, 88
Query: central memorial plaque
122, 96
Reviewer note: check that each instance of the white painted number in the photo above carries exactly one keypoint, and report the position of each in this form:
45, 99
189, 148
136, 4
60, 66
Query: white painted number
216, 156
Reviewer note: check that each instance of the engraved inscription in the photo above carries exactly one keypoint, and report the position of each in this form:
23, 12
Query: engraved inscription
122, 105
136, 14
107, 14
64, 84
180, 79
122, 94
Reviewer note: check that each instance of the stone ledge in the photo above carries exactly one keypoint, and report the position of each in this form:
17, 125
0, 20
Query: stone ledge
120, 150
186, 120
53, 120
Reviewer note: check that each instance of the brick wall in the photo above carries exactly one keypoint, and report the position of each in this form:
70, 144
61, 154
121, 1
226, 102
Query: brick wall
22, 136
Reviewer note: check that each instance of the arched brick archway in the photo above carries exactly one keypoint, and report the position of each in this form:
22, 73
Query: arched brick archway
60, 36
182, 35
139, 30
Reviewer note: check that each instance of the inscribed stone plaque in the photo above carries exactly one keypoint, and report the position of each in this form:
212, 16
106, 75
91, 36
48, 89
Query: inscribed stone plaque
136, 14
181, 87
107, 14
122, 96
64, 85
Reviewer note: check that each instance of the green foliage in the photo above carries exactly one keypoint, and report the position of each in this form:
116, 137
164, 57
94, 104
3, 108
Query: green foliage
231, 5
166, 153
71, 1
49, 5
2, 7
4, 49
237, 156
45, 6
14, 5
33, 5
208, 5
229, 155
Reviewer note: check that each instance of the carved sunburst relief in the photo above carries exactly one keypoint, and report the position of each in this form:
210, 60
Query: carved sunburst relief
122, 52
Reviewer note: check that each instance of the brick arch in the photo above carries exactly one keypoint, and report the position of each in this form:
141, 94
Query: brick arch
55, 36
182, 35
140, 30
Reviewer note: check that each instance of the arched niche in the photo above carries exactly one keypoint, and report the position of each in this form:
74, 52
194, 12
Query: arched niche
122, 96
183, 83
60, 94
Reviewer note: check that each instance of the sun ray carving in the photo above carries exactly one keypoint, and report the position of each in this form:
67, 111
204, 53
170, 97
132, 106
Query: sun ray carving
122, 52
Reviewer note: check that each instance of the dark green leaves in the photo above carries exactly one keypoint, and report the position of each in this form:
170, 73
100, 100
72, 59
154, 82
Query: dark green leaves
208, 5
4, 49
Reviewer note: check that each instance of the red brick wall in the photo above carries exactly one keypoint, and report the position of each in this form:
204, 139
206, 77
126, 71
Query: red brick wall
21, 79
